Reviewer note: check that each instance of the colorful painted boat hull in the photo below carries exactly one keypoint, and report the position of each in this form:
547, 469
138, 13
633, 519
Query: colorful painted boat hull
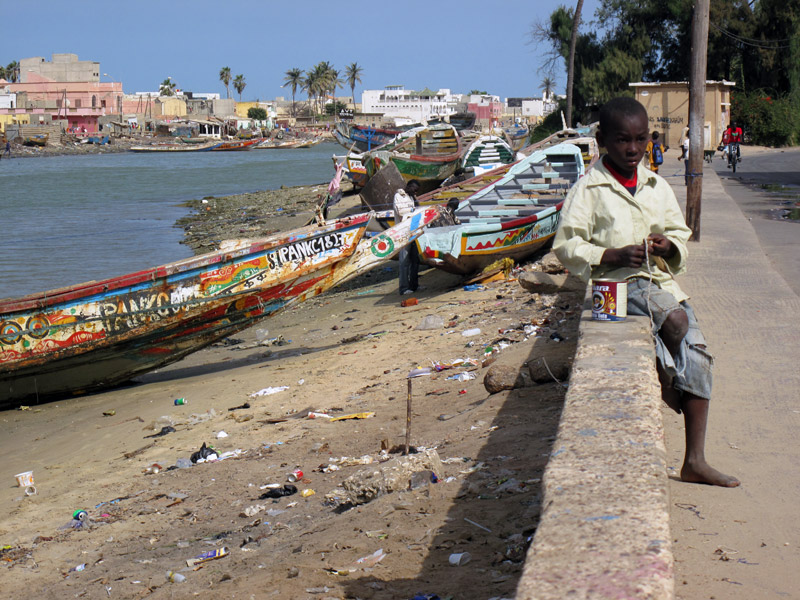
513, 217
428, 154
99, 334
177, 147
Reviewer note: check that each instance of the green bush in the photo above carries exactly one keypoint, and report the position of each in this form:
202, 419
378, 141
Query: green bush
257, 113
767, 120
549, 125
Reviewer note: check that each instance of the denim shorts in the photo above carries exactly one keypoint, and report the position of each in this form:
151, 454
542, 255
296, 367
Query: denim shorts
691, 369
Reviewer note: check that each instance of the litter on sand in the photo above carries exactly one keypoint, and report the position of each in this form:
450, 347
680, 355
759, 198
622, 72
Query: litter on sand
361, 415
269, 391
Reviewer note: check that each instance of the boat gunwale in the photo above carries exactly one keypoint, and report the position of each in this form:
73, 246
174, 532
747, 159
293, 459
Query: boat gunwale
49, 298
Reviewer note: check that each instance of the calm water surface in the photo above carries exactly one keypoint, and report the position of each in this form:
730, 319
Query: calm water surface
69, 219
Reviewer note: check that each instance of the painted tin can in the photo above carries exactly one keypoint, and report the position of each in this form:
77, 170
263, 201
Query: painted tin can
295, 475
180, 401
609, 300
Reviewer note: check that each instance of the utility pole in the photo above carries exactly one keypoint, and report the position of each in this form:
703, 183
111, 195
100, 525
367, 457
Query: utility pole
697, 100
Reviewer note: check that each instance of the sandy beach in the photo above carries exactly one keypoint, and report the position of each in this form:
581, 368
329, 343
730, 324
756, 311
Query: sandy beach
475, 480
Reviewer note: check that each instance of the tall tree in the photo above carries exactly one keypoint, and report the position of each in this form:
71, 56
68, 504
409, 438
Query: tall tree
294, 79
225, 78
548, 85
239, 84
573, 40
352, 74
12, 72
310, 85
167, 87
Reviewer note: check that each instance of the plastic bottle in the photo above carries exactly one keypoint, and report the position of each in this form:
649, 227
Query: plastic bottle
174, 577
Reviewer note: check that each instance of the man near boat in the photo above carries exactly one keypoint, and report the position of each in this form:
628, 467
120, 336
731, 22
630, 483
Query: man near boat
405, 202
622, 222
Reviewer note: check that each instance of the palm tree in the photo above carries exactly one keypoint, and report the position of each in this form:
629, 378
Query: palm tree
239, 84
167, 87
327, 79
225, 78
548, 84
12, 72
353, 75
294, 78
310, 85
2, 72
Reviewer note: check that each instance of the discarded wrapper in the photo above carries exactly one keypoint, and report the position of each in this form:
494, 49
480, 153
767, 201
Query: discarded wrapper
361, 415
207, 556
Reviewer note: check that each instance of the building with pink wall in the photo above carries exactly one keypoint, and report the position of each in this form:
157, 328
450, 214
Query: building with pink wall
79, 103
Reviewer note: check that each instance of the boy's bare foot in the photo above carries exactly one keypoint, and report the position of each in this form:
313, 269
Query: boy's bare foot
705, 473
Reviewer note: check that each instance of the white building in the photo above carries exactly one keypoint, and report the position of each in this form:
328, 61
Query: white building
8, 100
538, 108
404, 106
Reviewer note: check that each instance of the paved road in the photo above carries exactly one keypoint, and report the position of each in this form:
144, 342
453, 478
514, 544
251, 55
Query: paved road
742, 543
754, 187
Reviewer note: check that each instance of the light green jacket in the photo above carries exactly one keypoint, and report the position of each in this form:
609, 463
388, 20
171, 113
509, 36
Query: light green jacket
599, 213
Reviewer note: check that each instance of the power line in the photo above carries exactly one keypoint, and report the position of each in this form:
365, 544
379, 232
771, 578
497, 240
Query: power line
762, 44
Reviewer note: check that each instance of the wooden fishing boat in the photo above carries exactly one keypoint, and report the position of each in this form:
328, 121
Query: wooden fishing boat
428, 154
486, 153
363, 136
460, 189
308, 143
516, 135
177, 147
99, 334
236, 145
512, 217
39, 139
581, 138
354, 168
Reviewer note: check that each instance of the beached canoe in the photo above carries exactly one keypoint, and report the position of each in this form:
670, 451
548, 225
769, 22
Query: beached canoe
99, 334
516, 135
353, 168
182, 147
39, 139
583, 138
513, 217
364, 137
487, 152
427, 154
236, 145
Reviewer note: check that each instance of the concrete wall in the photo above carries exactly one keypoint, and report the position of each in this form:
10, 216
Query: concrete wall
604, 530
62, 67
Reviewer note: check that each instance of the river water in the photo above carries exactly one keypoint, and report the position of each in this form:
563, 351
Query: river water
70, 219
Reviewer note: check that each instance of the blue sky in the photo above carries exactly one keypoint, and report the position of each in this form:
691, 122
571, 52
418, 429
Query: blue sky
461, 45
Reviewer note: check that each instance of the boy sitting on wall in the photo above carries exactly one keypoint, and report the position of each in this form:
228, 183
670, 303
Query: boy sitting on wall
622, 222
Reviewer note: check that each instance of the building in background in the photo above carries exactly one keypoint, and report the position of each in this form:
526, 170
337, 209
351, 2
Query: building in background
401, 106
68, 90
667, 105
488, 109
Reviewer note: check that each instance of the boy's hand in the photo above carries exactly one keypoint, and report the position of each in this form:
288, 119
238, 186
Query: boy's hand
659, 245
628, 256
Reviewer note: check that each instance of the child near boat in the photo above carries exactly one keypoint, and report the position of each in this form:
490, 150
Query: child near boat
622, 222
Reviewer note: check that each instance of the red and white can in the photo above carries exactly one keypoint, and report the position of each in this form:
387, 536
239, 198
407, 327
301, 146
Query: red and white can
295, 475
609, 300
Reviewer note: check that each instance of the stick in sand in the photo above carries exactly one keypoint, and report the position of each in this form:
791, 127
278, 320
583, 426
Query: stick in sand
408, 417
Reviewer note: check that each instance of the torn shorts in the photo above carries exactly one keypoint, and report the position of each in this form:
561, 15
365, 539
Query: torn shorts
690, 371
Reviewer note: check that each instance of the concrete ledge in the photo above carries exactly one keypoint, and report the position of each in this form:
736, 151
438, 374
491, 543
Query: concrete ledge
604, 530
